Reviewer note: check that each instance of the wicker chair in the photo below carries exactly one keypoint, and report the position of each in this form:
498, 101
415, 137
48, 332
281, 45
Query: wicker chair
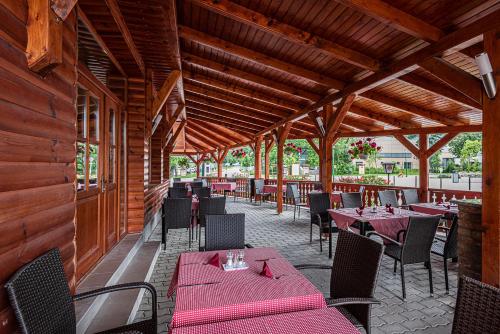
225, 232
388, 197
351, 200
177, 179
179, 185
259, 190
177, 193
353, 277
210, 206
196, 184
202, 192
295, 195
411, 196
176, 213
416, 247
447, 248
319, 203
42, 302
477, 309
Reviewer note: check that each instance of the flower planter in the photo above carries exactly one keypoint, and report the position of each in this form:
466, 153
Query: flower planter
363, 156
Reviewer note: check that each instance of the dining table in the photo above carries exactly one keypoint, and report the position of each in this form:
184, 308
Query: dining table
318, 321
224, 186
382, 221
272, 189
447, 210
206, 293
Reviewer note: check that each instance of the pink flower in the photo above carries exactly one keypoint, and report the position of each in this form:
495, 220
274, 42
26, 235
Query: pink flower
368, 139
373, 144
352, 144
379, 148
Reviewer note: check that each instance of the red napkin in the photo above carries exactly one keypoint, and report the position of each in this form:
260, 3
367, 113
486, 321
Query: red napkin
360, 210
266, 270
390, 210
447, 206
215, 260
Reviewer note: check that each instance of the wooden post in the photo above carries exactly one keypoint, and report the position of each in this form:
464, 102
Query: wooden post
423, 168
282, 135
258, 158
491, 170
219, 158
166, 164
267, 151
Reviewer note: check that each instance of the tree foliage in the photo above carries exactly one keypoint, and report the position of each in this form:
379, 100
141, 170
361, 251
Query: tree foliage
458, 142
468, 153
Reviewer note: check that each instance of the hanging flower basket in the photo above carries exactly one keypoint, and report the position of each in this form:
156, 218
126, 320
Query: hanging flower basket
239, 153
363, 149
291, 149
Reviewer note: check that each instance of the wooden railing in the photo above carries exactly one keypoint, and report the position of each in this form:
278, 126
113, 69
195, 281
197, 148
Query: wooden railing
153, 198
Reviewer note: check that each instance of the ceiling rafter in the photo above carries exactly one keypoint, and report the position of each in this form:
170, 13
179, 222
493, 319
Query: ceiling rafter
225, 132
228, 123
208, 132
202, 137
382, 117
250, 123
257, 57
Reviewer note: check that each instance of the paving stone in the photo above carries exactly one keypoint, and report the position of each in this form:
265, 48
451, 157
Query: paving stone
420, 313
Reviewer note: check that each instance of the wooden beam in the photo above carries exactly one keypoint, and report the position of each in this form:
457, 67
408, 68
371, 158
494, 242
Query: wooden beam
258, 157
210, 116
295, 35
165, 90
382, 117
401, 105
83, 17
44, 50
202, 137
173, 119
63, 8
256, 57
171, 142
440, 143
491, 166
408, 144
268, 145
282, 135
114, 8
249, 77
336, 119
425, 130
221, 131
396, 18
423, 161
313, 145
441, 90
199, 145
261, 97
454, 76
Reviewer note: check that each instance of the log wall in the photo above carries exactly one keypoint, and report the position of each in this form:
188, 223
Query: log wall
37, 153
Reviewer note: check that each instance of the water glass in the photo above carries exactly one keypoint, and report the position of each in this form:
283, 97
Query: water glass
229, 256
241, 256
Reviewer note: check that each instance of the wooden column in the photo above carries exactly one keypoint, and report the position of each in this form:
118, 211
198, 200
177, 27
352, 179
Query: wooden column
258, 158
166, 164
491, 169
423, 167
282, 134
198, 160
219, 157
267, 150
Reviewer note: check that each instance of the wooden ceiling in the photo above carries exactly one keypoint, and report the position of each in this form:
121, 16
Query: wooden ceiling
250, 65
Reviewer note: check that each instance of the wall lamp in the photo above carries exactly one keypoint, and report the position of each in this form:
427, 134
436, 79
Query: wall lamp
487, 75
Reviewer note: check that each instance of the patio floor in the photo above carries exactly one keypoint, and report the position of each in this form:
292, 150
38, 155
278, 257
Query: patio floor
420, 313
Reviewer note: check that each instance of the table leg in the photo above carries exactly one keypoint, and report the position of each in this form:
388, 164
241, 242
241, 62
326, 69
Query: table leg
330, 240
362, 228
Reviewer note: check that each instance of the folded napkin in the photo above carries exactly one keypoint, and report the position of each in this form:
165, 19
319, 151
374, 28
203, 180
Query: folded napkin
266, 271
389, 208
447, 206
360, 210
215, 260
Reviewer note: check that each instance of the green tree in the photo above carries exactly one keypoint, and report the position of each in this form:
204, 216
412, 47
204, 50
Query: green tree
458, 142
470, 150
342, 159
435, 162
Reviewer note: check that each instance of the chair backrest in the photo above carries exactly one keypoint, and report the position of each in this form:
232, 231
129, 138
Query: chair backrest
211, 206
197, 179
177, 212
225, 231
355, 270
411, 196
177, 179
295, 193
40, 296
418, 239
177, 193
388, 197
202, 192
197, 184
451, 244
362, 190
318, 186
319, 203
289, 193
179, 185
230, 179
259, 186
477, 309
351, 200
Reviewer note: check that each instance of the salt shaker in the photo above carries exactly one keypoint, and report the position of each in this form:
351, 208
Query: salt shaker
229, 256
241, 256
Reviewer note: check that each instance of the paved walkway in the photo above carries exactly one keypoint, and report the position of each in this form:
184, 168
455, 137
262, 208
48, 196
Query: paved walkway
420, 313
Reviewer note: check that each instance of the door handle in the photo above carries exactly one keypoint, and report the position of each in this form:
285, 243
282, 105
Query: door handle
103, 185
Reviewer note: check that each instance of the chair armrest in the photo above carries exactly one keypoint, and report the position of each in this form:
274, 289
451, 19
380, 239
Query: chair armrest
351, 301
248, 246
445, 228
118, 287
399, 233
312, 266
384, 237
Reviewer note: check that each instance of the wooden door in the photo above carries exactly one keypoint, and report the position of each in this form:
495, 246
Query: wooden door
110, 174
89, 167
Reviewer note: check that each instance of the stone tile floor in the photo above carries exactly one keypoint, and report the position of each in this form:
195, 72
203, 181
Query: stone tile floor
420, 313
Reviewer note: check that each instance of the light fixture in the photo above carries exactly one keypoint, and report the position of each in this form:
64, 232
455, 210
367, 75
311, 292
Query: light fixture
275, 137
388, 168
321, 125
487, 76
156, 122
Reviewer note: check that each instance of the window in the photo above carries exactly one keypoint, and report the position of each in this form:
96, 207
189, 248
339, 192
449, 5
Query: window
87, 157
407, 165
112, 146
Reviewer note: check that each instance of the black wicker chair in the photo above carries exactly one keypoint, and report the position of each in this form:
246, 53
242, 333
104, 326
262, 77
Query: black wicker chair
477, 309
209, 206
447, 248
295, 196
351, 200
414, 247
42, 302
319, 203
179, 185
388, 197
259, 190
411, 196
177, 179
176, 213
224, 232
353, 277
202, 192
177, 193
196, 184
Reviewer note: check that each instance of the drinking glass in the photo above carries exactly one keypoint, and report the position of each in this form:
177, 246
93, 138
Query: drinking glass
229, 255
241, 256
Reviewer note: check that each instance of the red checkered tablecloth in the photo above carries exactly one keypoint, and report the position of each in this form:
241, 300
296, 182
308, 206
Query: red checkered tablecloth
435, 209
383, 222
207, 294
320, 321
272, 188
230, 186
